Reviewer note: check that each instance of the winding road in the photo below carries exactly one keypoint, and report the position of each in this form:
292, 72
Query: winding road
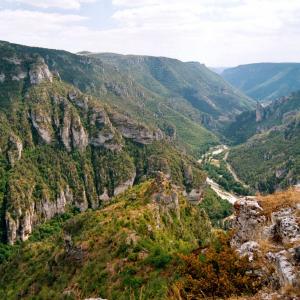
232, 198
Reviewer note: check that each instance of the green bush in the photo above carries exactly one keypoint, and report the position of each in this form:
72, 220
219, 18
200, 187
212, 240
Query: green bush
216, 208
158, 258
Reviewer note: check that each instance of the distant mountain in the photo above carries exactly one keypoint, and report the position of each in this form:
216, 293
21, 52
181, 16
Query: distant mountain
270, 158
263, 81
190, 87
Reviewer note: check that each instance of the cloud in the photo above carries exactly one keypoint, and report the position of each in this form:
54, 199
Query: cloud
217, 32
63, 4
36, 28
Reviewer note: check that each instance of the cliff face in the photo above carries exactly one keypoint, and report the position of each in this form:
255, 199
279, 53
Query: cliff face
267, 230
63, 149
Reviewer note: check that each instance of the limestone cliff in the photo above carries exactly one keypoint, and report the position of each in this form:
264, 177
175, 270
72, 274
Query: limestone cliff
67, 150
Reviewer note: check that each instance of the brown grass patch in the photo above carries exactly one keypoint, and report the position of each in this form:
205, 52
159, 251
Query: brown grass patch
278, 200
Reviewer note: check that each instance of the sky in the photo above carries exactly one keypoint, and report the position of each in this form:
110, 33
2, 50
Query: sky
215, 32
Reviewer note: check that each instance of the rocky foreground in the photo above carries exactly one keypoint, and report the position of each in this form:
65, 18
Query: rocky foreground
267, 231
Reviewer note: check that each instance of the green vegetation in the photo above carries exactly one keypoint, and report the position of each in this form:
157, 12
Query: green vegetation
280, 112
154, 92
189, 83
224, 178
48, 172
265, 80
218, 272
276, 156
216, 208
136, 247
275, 151
117, 252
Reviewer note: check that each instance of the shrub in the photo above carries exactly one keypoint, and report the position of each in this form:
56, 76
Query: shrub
217, 271
159, 258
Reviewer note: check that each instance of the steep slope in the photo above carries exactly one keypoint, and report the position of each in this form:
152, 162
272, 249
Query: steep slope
274, 149
263, 118
188, 84
149, 243
95, 77
61, 149
124, 251
263, 81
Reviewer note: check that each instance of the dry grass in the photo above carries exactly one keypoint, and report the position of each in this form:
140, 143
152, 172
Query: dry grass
274, 202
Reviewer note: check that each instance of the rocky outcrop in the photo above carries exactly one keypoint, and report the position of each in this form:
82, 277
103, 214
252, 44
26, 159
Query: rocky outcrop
249, 221
15, 148
259, 113
21, 221
134, 131
272, 242
19, 76
195, 196
285, 268
72, 132
81, 102
125, 185
103, 134
78, 134
285, 226
2, 77
166, 196
41, 121
39, 72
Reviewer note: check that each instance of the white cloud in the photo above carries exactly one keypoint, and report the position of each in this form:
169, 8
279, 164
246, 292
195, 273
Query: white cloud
64, 4
217, 32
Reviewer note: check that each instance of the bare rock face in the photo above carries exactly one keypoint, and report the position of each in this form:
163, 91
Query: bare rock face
249, 249
19, 76
165, 196
259, 112
41, 121
72, 132
274, 241
81, 102
136, 132
39, 72
248, 222
195, 196
19, 227
2, 77
285, 226
21, 221
103, 133
285, 269
125, 185
15, 148
78, 133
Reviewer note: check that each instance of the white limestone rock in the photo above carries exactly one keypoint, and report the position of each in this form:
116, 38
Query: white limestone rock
41, 121
2, 77
39, 72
